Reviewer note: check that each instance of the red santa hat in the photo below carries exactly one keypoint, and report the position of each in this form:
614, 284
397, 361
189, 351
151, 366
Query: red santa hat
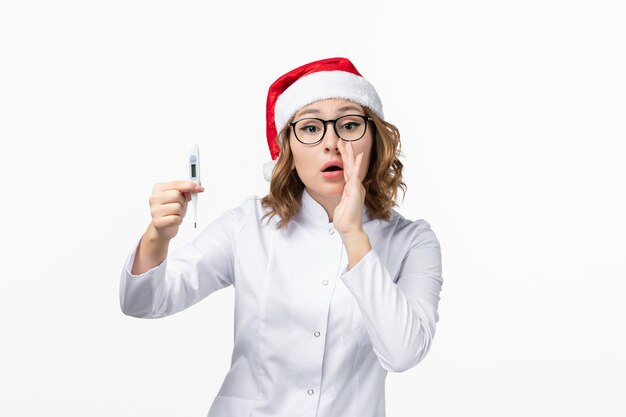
318, 80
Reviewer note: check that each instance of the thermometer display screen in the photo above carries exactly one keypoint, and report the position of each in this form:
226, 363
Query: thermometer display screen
193, 170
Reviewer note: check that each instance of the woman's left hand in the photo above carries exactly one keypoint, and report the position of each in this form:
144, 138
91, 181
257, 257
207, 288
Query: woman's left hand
347, 217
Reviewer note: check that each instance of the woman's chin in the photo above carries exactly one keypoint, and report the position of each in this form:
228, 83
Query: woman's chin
326, 190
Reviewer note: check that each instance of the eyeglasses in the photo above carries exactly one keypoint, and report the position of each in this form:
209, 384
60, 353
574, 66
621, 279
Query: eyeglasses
349, 128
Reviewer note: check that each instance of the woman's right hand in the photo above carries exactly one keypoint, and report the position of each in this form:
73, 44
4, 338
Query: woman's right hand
168, 206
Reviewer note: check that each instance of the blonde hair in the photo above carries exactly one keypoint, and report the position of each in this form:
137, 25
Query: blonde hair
383, 178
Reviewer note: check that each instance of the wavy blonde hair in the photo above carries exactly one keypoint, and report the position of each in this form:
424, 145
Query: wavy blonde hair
382, 181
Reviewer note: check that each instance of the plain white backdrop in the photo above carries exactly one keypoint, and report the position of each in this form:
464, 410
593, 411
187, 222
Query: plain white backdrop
513, 130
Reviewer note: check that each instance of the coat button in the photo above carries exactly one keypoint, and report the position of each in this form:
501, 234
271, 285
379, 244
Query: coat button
325, 282
331, 231
310, 391
317, 334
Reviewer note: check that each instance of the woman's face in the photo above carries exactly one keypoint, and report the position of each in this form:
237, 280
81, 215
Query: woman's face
309, 160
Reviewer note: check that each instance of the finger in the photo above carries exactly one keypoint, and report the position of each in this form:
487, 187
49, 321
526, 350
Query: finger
182, 185
352, 159
168, 221
171, 196
352, 172
342, 151
166, 197
173, 208
357, 167
355, 179
344, 159
169, 209
345, 154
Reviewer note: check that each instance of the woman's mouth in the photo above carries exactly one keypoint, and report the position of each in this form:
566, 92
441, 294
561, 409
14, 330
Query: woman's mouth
333, 171
332, 174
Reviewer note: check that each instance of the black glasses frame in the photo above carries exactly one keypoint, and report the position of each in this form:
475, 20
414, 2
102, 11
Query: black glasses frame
334, 122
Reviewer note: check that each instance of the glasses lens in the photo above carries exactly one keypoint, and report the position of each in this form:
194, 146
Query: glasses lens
351, 127
309, 130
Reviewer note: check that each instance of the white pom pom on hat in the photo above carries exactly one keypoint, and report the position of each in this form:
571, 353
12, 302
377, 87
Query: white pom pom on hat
315, 81
268, 167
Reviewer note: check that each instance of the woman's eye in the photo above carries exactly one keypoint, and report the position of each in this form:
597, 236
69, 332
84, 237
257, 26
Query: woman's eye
310, 129
349, 126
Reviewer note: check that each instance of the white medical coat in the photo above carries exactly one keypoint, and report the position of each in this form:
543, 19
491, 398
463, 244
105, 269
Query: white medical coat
311, 338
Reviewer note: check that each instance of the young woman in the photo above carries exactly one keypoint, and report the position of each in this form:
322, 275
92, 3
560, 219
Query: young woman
333, 288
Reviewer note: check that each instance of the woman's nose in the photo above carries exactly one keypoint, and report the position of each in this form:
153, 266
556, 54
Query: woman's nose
330, 139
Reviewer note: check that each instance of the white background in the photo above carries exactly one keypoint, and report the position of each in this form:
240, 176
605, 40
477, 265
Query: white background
513, 129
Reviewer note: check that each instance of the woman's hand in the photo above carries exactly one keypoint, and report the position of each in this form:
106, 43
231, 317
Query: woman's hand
168, 205
347, 217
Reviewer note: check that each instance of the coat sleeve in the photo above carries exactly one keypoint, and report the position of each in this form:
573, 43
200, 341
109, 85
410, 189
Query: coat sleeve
188, 274
400, 316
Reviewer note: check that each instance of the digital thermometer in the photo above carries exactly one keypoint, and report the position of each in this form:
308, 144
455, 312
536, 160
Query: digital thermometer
193, 171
